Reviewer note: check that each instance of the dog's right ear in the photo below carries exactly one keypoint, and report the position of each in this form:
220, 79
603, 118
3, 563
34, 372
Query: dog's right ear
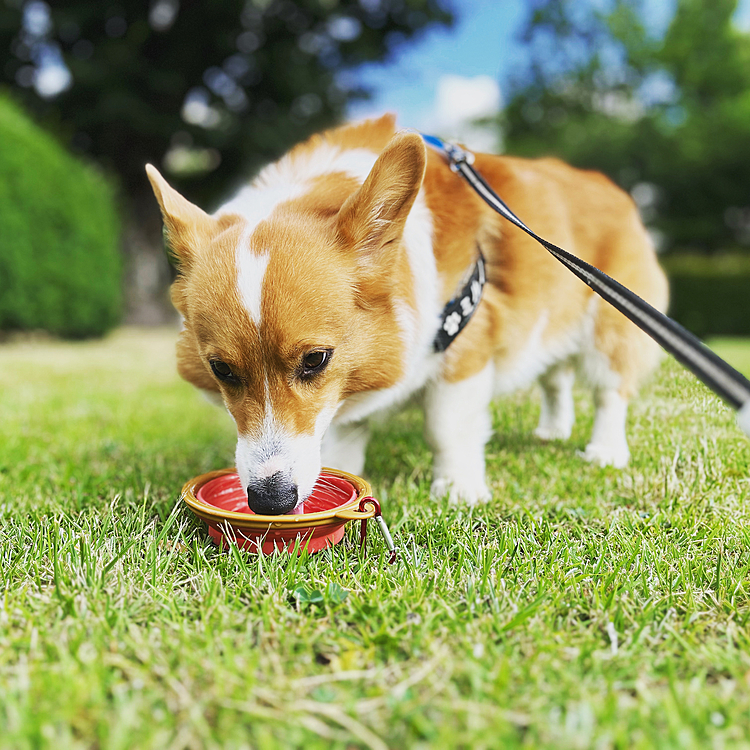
184, 222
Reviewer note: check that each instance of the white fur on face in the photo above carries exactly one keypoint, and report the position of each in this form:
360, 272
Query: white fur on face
277, 450
251, 270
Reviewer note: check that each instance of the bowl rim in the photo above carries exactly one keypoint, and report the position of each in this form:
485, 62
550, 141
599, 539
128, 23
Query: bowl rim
349, 511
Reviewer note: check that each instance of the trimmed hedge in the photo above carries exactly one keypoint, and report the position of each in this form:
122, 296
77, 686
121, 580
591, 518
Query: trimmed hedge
710, 295
60, 261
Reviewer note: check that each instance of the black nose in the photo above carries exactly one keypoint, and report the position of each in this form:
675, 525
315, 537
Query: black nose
272, 496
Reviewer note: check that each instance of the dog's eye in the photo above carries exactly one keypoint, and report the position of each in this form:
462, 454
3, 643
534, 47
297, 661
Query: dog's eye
315, 362
223, 371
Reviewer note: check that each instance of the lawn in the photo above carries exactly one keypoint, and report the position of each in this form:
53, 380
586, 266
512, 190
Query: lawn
582, 607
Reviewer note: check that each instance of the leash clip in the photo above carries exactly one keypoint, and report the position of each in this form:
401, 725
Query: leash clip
382, 527
455, 154
458, 156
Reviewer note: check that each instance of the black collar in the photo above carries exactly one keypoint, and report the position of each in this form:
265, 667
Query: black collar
457, 313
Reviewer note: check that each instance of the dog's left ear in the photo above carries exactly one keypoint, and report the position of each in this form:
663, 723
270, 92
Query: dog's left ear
376, 213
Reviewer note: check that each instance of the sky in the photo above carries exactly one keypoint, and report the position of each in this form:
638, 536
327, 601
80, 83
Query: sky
449, 76
480, 44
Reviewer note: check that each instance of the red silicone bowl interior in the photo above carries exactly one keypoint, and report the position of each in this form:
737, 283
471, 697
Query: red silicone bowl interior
226, 492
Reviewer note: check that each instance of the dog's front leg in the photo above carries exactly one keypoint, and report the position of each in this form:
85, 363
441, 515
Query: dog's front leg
457, 426
344, 446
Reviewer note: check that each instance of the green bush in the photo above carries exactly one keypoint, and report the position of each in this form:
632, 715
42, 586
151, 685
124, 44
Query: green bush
60, 263
710, 295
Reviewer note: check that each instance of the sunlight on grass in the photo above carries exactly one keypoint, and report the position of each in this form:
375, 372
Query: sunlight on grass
581, 607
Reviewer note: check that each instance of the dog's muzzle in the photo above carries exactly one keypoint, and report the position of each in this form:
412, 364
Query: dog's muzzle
272, 496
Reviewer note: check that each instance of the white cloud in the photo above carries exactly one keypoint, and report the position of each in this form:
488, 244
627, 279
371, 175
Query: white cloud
459, 102
448, 110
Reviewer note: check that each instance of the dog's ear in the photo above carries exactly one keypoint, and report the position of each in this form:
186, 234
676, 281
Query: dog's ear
183, 221
374, 215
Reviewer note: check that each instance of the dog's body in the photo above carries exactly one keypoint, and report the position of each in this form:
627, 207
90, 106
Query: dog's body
312, 299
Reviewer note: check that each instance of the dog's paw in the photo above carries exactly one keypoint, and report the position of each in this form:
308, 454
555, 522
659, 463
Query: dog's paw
552, 432
460, 492
606, 455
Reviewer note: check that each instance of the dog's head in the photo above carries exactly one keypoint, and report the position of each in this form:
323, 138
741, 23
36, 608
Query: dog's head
290, 306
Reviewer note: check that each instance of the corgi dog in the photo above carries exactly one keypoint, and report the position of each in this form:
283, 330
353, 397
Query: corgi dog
312, 299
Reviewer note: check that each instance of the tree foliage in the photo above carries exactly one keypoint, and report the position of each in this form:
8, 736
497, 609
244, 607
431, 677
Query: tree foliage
211, 89
664, 112
208, 91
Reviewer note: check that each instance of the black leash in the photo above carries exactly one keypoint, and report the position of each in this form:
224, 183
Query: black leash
688, 349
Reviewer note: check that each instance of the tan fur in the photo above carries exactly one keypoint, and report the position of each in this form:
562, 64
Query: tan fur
582, 212
338, 271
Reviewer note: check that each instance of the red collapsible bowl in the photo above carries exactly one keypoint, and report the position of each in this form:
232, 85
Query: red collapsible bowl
221, 501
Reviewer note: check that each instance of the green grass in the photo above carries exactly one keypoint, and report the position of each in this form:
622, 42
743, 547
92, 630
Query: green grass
582, 607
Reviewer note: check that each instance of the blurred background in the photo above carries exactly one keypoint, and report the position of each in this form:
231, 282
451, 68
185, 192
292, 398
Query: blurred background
655, 93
